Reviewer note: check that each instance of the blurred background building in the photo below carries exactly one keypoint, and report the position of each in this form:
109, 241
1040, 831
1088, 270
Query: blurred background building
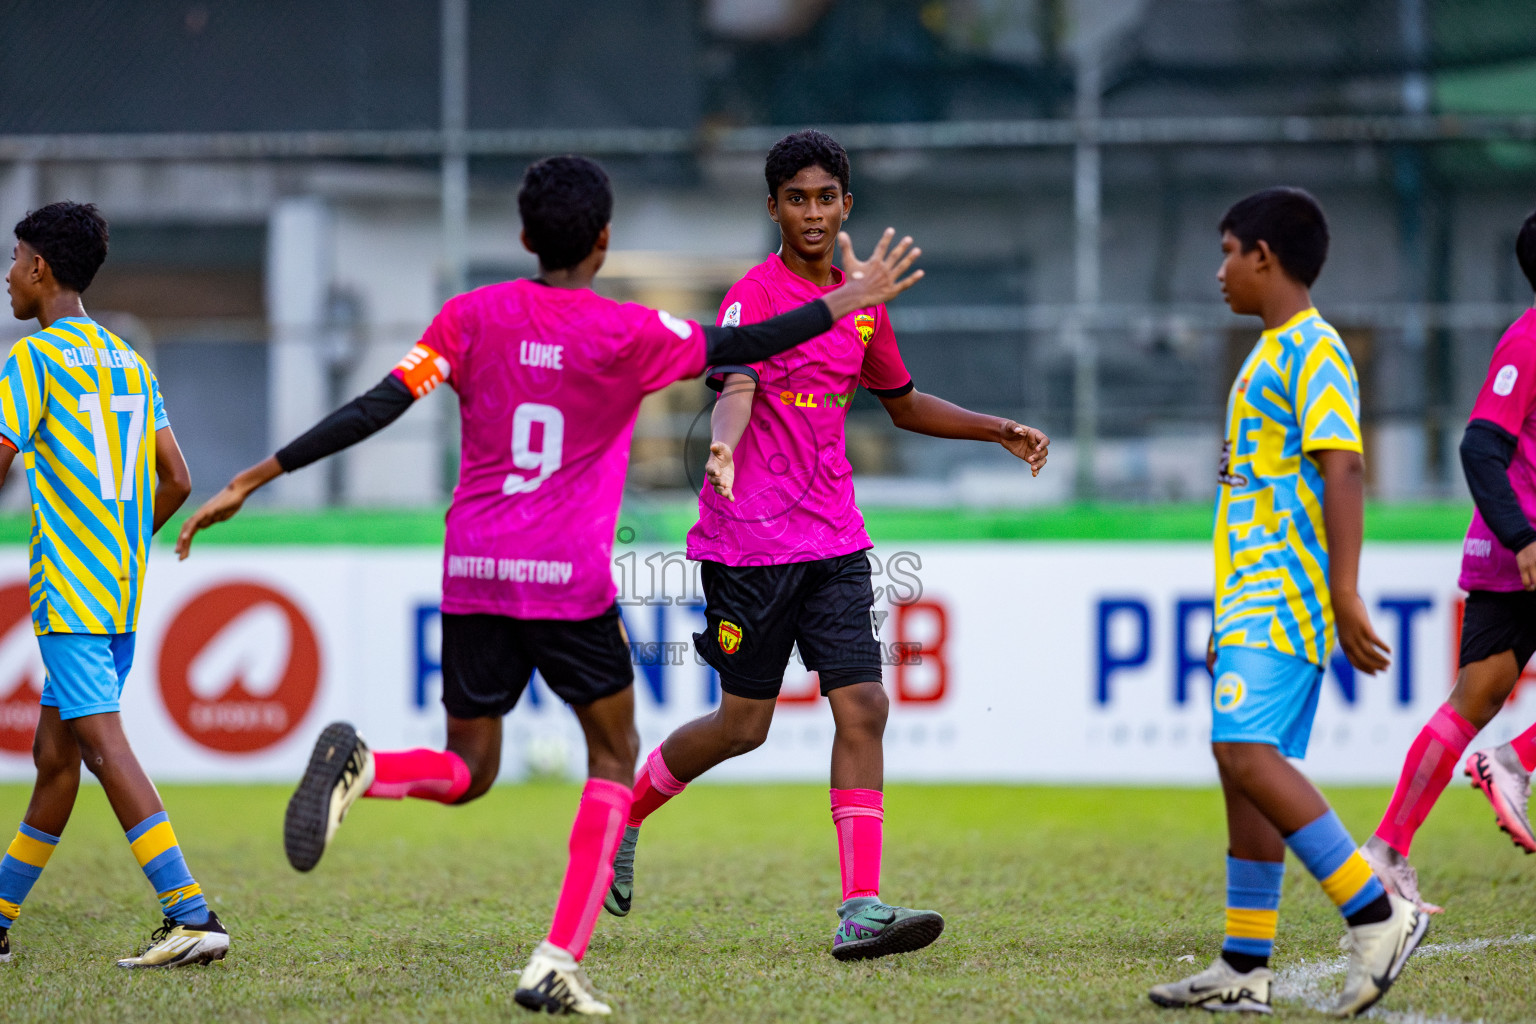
294, 188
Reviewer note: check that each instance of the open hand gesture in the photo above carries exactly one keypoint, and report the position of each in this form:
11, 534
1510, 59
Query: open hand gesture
886, 274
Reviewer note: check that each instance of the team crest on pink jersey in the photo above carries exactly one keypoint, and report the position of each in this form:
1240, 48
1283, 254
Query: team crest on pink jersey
864, 323
730, 637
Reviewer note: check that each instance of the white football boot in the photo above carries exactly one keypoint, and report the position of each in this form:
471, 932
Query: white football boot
183, 945
553, 982
1220, 988
340, 770
1377, 955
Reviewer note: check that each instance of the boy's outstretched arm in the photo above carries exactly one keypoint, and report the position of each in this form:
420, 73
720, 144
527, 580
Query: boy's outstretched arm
1344, 521
932, 415
365, 415
173, 482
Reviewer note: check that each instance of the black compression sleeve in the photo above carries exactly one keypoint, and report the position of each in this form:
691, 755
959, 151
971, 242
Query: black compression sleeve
752, 343
1486, 451
366, 414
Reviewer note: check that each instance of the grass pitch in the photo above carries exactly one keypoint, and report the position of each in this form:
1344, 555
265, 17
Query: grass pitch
1062, 905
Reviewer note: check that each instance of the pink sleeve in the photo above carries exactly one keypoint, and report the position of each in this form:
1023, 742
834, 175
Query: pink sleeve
746, 303
1510, 388
665, 349
436, 357
883, 368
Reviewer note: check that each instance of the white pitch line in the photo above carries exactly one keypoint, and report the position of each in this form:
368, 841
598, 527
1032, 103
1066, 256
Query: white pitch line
1304, 981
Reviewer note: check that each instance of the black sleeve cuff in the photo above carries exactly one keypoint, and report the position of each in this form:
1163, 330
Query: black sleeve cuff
905, 389
715, 381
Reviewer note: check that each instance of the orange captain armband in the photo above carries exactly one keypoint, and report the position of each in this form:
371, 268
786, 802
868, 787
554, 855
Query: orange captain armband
421, 370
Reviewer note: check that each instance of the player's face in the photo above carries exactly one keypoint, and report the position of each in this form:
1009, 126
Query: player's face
1239, 275
19, 284
810, 209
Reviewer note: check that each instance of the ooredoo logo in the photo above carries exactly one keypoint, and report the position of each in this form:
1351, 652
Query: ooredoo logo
21, 671
239, 668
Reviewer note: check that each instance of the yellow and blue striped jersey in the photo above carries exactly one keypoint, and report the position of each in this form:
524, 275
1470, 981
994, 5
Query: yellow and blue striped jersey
82, 407
1297, 394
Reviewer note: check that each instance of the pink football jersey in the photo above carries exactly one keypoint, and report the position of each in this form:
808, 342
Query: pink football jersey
549, 383
794, 487
1508, 399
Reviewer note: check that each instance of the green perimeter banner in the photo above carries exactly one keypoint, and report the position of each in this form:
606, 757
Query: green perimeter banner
643, 522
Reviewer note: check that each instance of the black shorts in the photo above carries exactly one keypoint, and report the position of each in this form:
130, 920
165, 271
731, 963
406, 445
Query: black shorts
1496, 622
488, 660
756, 614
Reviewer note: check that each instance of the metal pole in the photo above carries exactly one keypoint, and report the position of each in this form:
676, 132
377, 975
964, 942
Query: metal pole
455, 158
1087, 199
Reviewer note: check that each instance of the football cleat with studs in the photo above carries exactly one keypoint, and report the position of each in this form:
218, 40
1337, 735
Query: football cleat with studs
1498, 774
553, 982
183, 945
5, 945
869, 928
340, 770
1220, 988
1377, 954
621, 891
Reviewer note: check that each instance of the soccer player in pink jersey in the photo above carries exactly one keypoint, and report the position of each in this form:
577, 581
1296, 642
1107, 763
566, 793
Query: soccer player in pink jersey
1498, 634
783, 543
549, 377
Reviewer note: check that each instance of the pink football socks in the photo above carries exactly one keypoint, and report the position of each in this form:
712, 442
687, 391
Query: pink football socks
1525, 748
439, 775
1428, 768
594, 840
654, 786
859, 815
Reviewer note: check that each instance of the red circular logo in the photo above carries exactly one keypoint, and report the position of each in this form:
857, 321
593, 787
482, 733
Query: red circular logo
239, 668
21, 671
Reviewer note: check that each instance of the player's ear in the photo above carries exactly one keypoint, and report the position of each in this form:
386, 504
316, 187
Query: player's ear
1266, 257
847, 204
773, 208
601, 245
523, 236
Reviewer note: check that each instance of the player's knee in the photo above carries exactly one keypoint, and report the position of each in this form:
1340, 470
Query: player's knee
746, 735
1240, 762
51, 761
862, 709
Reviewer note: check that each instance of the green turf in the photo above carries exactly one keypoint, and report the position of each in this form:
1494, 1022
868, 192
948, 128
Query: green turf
1062, 904
648, 522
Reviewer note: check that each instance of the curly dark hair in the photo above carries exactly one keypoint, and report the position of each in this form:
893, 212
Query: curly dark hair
1525, 248
565, 202
1291, 221
810, 148
70, 237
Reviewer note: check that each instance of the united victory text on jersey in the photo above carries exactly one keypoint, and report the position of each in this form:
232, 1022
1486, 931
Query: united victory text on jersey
549, 383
